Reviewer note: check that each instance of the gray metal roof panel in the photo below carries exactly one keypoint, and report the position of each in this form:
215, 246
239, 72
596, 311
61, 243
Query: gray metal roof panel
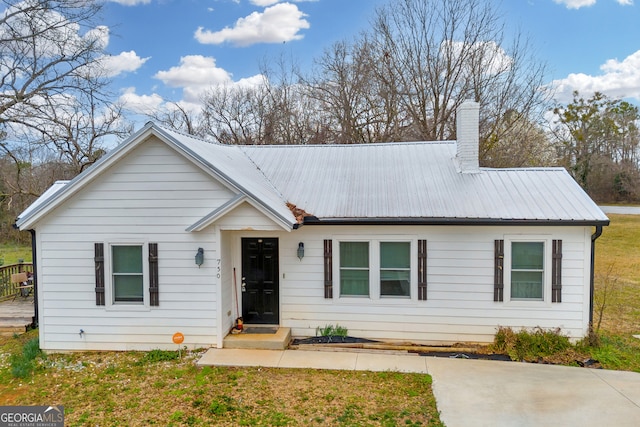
416, 180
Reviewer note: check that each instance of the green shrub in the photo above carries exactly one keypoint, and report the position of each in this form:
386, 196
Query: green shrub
23, 364
155, 356
530, 345
331, 331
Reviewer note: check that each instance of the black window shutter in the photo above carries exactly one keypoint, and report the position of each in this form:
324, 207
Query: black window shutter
498, 276
328, 269
556, 272
154, 299
99, 263
422, 270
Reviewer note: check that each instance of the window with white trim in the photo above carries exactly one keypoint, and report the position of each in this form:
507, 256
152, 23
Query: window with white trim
354, 269
375, 269
395, 269
532, 269
527, 270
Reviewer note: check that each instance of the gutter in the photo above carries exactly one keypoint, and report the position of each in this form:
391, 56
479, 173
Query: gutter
594, 236
34, 263
312, 220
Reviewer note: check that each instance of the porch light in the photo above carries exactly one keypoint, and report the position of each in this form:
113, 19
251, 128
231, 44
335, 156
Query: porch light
200, 257
300, 251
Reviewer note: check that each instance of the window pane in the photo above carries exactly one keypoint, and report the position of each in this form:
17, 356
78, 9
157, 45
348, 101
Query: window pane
526, 284
395, 254
127, 259
354, 282
395, 267
127, 273
127, 288
394, 283
527, 255
354, 254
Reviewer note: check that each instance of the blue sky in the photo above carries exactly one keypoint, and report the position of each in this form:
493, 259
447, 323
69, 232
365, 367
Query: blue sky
175, 49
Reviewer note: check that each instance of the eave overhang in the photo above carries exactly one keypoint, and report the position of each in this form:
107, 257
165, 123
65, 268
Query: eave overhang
454, 221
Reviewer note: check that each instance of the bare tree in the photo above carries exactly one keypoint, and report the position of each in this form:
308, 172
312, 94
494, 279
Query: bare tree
235, 114
346, 85
54, 102
437, 53
177, 117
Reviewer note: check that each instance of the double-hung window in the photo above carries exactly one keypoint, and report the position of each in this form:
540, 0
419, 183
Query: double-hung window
395, 269
354, 269
375, 269
527, 270
127, 273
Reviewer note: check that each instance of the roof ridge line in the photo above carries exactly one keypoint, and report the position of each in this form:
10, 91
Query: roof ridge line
244, 153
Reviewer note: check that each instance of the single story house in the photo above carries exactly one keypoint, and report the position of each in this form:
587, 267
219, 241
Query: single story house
398, 241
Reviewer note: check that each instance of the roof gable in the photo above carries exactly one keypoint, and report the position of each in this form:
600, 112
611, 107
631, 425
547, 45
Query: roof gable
220, 162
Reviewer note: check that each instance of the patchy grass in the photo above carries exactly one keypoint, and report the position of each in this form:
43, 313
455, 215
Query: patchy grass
617, 271
158, 388
10, 253
619, 352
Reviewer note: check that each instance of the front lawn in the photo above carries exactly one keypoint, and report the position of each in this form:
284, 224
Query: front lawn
157, 388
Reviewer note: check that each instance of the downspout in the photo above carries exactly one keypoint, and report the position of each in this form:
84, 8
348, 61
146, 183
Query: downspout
35, 278
594, 236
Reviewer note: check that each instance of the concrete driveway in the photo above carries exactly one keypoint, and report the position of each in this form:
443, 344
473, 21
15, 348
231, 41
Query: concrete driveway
625, 210
480, 393
490, 393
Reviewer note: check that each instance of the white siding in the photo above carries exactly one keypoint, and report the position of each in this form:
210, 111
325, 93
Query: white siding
152, 195
460, 304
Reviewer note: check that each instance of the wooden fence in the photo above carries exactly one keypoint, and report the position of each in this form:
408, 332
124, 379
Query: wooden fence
8, 289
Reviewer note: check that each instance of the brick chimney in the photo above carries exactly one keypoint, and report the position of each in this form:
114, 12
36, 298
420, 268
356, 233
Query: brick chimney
467, 130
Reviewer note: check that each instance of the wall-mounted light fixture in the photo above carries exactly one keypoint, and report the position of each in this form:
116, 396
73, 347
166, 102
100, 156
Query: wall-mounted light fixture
300, 251
200, 257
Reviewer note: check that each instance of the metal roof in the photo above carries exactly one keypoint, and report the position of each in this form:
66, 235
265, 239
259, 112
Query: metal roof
416, 182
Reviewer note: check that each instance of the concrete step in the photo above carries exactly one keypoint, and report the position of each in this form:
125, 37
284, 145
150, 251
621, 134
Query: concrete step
259, 341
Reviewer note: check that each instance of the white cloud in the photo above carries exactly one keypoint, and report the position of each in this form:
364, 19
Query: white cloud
277, 24
488, 56
264, 3
124, 62
576, 4
100, 35
196, 74
131, 2
620, 79
143, 104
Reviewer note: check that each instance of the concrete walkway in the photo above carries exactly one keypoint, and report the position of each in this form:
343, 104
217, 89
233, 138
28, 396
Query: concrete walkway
481, 392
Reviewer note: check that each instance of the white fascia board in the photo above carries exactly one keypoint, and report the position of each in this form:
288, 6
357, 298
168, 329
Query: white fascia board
217, 213
230, 206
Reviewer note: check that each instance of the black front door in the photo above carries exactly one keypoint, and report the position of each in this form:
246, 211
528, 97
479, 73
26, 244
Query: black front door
260, 281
